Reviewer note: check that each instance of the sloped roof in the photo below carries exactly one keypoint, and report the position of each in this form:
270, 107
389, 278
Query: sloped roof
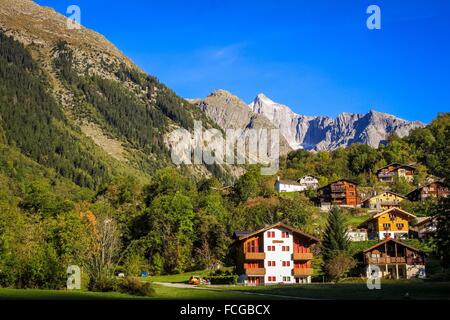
397, 165
425, 185
376, 215
279, 225
290, 182
238, 234
353, 182
396, 194
423, 220
393, 240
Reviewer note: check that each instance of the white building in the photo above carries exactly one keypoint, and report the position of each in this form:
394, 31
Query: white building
309, 182
273, 255
356, 235
302, 184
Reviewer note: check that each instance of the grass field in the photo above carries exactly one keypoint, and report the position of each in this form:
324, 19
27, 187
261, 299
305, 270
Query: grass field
414, 290
36, 294
358, 291
354, 221
162, 293
176, 278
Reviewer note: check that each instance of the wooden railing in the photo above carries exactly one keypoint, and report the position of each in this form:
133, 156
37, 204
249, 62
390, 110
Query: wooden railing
255, 271
302, 272
338, 195
302, 256
386, 260
389, 203
255, 256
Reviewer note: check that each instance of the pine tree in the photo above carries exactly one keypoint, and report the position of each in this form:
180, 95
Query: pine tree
335, 239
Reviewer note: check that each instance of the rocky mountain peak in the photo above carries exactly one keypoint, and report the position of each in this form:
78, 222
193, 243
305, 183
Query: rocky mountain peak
326, 133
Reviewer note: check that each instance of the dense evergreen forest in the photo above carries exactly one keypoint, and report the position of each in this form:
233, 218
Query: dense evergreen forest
33, 122
58, 192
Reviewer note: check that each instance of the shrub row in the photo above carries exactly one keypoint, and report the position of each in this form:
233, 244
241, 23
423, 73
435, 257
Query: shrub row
226, 279
128, 285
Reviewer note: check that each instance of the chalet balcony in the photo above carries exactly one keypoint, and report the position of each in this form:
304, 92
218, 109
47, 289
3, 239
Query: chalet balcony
338, 195
389, 203
255, 256
386, 174
302, 272
302, 256
255, 271
337, 189
386, 260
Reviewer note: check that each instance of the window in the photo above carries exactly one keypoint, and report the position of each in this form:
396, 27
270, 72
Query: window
285, 248
285, 234
400, 226
270, 248
287, 279
252, 246
271, 234
272, 278
271, 264
286, 263
386, 225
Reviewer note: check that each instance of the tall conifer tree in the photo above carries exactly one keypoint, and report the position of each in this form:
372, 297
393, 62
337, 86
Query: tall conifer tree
335, 238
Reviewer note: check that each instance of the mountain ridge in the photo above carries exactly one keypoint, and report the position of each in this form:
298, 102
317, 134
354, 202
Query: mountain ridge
321, 132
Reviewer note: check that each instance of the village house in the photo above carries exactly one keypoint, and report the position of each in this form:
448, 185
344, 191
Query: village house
309, 182
302, 184
343, 193
424, 227
283, 185
395, 259
435, 189
357, 235
273, 255
384, 201
392, 223
400, 170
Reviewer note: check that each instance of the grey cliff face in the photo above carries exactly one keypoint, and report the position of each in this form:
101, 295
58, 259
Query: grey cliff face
325, 133
308, 132
230, 112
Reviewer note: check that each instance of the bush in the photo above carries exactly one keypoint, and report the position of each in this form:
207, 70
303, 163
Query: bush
103, 284
135, 286
226, 279
339, 266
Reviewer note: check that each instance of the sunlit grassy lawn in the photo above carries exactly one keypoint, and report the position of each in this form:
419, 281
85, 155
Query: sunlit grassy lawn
162, 293
358, 291
37, 294
203, 294
414, 290
355, 220
176, 278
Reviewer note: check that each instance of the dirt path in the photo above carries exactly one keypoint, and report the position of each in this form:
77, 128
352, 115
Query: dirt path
188, 286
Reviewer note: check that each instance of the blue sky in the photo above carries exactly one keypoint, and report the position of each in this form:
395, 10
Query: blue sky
317, 56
